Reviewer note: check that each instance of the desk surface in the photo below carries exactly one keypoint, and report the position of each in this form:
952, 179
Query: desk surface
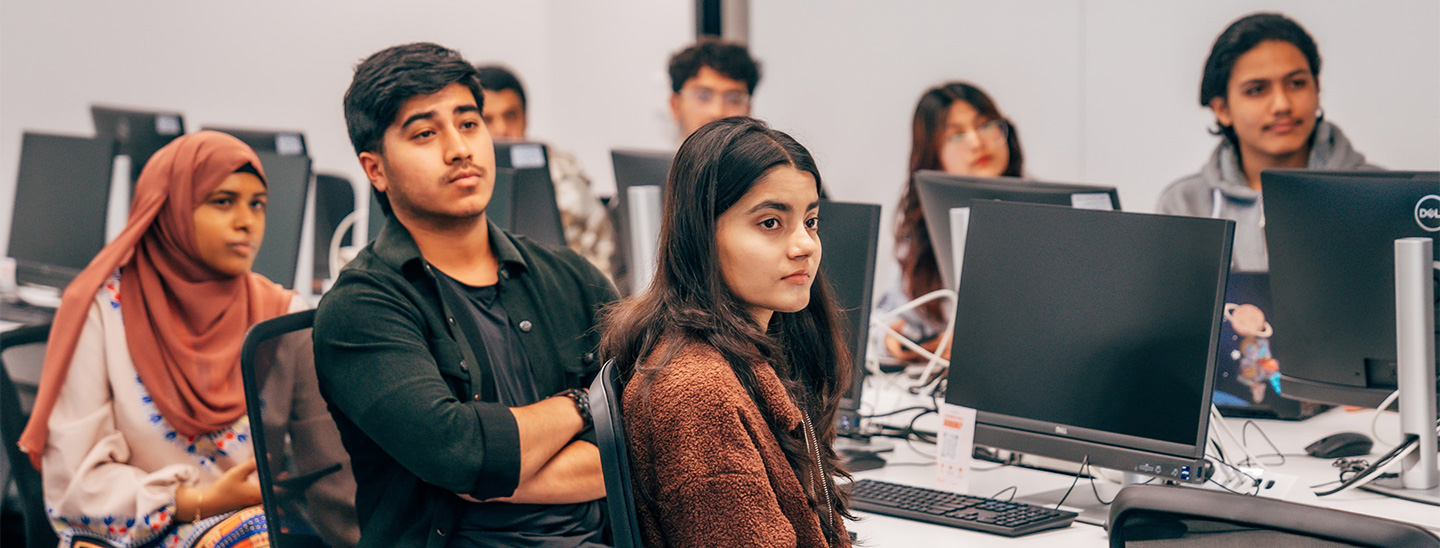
906, 466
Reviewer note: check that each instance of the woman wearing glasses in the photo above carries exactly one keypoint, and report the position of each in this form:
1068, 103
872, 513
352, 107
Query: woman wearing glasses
956, 129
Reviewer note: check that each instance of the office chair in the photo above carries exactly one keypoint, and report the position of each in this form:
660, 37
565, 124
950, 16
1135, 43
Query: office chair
605, 394
1145, 515
306, 480
37, 530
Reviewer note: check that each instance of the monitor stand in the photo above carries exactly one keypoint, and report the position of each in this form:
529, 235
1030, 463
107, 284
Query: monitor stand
1082, 498
860, 455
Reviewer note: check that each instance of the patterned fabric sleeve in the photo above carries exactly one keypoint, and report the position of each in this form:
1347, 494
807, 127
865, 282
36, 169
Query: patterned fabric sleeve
89, 487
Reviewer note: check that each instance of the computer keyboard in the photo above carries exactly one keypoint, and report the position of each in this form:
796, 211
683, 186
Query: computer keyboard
1010, 519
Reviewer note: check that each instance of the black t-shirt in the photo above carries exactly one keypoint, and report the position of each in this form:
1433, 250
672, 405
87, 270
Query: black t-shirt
507, 378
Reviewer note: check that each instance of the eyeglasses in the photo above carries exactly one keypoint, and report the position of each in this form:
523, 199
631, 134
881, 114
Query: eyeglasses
994, 131
705, 96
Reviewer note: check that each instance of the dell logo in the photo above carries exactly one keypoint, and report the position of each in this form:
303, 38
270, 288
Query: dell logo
1062, 430
1427, 213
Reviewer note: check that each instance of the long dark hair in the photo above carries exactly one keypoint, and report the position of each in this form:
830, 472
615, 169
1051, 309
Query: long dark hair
920, 273
688, 300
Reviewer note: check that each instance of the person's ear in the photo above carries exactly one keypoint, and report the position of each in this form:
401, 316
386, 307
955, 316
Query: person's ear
675, 106
374, 169
1221, 108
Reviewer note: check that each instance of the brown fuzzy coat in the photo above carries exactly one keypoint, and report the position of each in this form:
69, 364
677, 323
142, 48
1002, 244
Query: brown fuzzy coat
714, 473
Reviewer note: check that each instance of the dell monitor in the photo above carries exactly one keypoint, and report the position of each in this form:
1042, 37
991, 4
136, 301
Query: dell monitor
1091, 336
850, 235
287, 181
138, 134
942, 192
61, 194
282, 142
334, 201
1331, 239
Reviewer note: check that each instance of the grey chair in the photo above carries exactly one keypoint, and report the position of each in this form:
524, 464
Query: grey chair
13, 415
1151, 516
306, 480
605, 393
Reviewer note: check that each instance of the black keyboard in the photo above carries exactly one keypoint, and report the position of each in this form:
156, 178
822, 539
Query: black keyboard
1010, 519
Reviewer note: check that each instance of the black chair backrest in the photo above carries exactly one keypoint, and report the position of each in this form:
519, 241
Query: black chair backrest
38, 531
1145, 515
306, 480
605, 394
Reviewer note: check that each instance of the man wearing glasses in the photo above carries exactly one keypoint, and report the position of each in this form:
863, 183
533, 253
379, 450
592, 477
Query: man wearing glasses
712, 79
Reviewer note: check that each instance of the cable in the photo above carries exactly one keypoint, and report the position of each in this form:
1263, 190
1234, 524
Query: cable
1012, 489
895, 412
1371, 473
1375, 418
1084, 463
882, 322
1245, 430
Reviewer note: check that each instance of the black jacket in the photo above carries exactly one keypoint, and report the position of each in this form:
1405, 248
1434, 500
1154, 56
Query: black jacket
395, 361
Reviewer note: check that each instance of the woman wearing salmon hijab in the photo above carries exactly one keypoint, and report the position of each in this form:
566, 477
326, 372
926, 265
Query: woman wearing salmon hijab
140, 427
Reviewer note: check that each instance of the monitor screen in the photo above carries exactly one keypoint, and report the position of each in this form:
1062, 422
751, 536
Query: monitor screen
1331, 238
282, 142
137, 133
640, 168
334, 200
61, 194
941, 192
1090, 334
850, 235
287, 181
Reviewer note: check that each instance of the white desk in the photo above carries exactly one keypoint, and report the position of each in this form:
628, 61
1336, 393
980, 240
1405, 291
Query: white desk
1291, 437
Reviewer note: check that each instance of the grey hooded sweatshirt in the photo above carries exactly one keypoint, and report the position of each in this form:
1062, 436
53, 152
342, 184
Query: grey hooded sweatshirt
1220, 190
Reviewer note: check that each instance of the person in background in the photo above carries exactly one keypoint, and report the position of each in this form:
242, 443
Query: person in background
711, 79
588, 229
956, 129
733, 355
1262, 82
140, 428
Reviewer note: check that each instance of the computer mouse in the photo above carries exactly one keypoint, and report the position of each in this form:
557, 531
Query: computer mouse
1344, 444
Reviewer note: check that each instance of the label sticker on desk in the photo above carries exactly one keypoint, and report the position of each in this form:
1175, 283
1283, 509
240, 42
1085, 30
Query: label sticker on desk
956, 444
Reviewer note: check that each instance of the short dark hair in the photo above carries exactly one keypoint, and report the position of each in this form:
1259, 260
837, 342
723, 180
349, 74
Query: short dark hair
1241, 37
386, 79
727, 58
497, 78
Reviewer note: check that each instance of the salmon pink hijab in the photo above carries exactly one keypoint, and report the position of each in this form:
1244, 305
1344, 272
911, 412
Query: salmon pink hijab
184, 322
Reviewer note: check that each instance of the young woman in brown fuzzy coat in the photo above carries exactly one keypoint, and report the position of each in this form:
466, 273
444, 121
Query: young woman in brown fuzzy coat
732, 356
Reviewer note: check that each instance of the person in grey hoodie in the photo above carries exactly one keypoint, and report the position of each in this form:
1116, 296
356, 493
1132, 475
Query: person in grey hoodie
1262, 81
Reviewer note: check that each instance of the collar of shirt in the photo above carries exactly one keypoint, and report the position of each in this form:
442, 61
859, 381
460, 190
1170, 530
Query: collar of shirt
397, 249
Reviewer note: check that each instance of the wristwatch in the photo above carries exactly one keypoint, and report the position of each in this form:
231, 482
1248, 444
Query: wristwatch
582, 403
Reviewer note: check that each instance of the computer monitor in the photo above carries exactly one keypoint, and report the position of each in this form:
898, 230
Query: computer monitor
137, 133
850, 235
522, 202
1331, 238
942, 192
634, 168
640, 168
61, 193
282, 142
1091, 336
287, 181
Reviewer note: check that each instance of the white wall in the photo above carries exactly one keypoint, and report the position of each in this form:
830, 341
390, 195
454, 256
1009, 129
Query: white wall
1102, 91
595, 72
